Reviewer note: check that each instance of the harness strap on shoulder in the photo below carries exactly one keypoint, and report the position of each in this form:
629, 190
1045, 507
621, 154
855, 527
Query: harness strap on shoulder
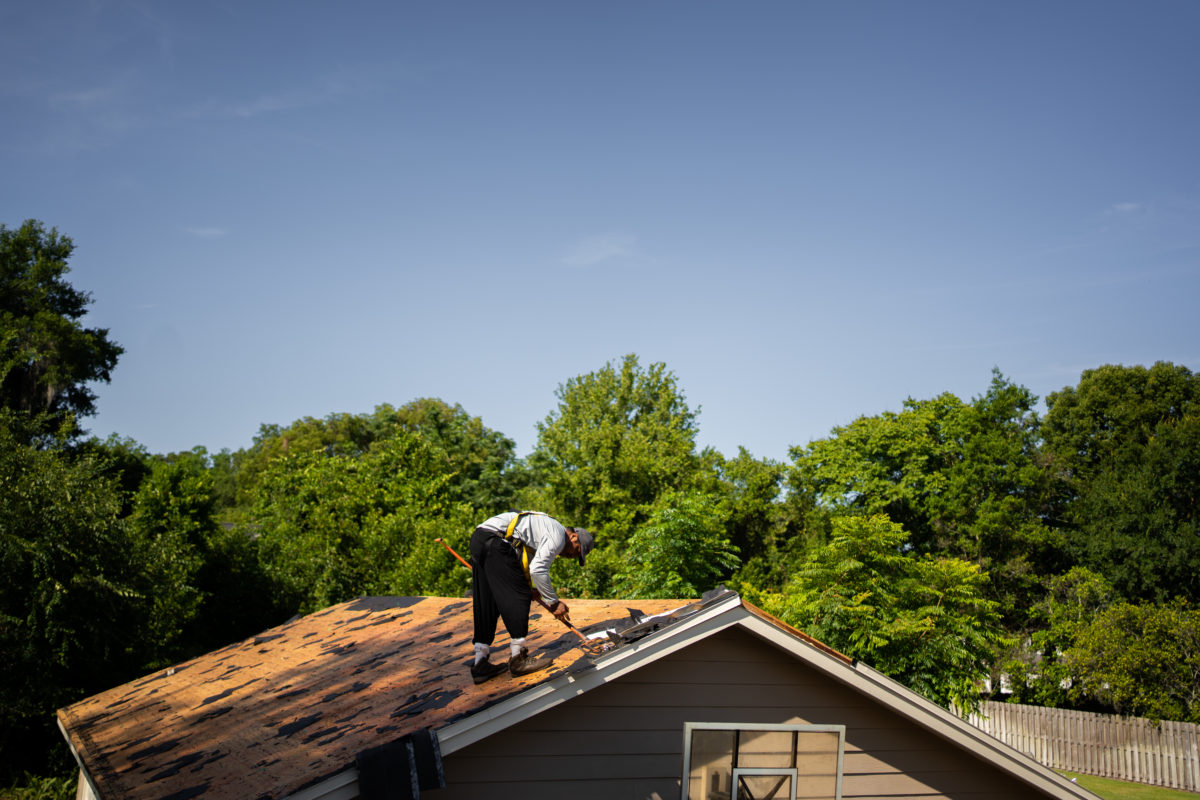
522, 548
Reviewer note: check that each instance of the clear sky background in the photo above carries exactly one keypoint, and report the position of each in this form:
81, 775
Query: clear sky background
809, 211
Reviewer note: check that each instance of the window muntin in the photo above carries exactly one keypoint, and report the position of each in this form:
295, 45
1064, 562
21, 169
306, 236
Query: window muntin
750, 761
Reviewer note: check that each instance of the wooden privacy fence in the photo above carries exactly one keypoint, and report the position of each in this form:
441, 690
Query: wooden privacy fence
1124, 748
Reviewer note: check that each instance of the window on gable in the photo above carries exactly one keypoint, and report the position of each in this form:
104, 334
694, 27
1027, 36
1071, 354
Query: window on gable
731, 761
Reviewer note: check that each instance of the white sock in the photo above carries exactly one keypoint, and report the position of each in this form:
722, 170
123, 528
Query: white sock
481, 652
516, 646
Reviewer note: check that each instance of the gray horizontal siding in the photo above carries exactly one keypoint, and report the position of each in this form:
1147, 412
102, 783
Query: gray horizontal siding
625, 739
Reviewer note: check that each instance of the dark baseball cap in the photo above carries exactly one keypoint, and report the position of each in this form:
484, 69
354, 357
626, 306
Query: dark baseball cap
586, 543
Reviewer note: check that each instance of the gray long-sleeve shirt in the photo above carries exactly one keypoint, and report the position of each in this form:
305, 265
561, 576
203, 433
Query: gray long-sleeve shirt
545, 535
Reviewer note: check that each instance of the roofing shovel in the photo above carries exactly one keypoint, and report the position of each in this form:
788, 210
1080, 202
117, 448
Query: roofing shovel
591, 646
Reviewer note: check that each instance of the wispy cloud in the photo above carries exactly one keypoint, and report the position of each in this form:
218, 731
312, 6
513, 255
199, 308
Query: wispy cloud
81, 100
266, 104
1126, 208
359, 80
597, 249
207, 233
89, 117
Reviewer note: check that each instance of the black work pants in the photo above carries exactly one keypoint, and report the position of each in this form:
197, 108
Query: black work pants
499, 589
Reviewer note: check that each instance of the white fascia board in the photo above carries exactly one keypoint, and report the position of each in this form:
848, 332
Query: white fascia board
342, 786
83, 772
922, 711
607, 667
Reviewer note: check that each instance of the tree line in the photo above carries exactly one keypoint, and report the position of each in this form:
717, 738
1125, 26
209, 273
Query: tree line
966, 548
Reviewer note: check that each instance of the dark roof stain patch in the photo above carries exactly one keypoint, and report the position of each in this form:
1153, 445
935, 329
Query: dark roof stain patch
173, 767
188, 793
357, 686
453, 607
223, 694
298, 725
157, 749
378, 622
213, 714
374, 604
430, 700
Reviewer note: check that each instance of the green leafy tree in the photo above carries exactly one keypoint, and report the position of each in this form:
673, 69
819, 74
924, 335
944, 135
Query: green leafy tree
965, 480
336, 526
202, 580
47, 356
889, 464
1101, 653
751, 503
1126, 445
620, 438
1036, 669
1142, 659
484, 472
921, 620
682, 551
772, 525
69, 606
478, 462
123, 460
173, 523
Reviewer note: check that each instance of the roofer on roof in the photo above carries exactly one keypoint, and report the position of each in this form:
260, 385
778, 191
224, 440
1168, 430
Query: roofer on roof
512, 554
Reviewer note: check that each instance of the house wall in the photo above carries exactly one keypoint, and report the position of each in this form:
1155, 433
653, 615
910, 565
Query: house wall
625, 739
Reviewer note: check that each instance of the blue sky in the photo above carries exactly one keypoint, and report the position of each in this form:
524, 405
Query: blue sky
808, 211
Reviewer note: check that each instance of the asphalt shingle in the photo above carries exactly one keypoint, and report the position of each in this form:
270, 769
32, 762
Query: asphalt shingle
286, 709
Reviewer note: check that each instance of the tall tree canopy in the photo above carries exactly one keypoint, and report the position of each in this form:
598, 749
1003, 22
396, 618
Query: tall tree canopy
1097, 651
963, 480
477, 461
47, 356
1142, 659
620, 437
201, 580
919, 619
682, 551
70, 612
332, 526
1126, 444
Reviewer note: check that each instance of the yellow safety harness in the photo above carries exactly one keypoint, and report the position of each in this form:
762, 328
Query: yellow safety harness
523, 549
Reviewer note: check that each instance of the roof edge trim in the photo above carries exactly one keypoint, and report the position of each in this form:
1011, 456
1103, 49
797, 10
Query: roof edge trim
341, 786
78, 758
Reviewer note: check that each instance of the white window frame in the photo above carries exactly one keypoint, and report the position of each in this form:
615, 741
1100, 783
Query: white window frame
688, 727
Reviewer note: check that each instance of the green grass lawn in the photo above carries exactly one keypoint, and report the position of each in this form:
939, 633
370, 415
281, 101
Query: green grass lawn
1120, 790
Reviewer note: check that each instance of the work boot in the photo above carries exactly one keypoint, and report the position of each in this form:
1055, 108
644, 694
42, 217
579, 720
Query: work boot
522, 664
485, 670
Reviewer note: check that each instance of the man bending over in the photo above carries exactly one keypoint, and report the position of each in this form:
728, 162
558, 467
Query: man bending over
511, 555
